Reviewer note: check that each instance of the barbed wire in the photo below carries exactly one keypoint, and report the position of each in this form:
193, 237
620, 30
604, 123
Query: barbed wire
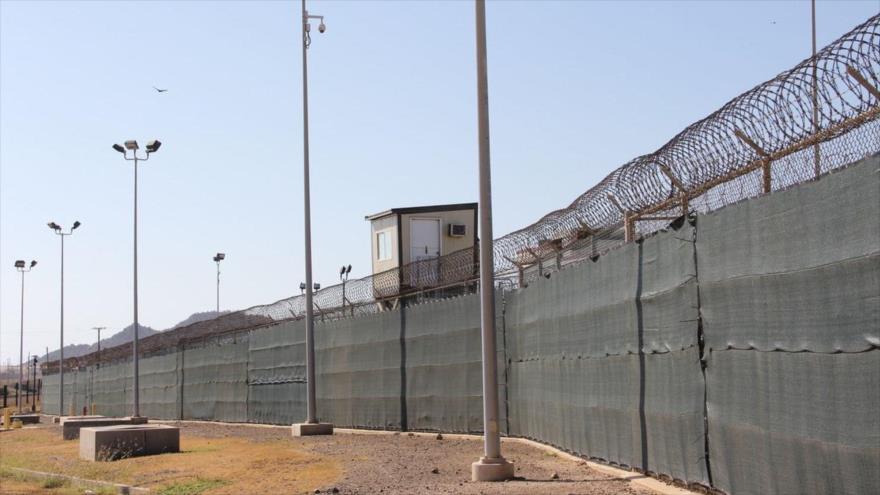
790, 129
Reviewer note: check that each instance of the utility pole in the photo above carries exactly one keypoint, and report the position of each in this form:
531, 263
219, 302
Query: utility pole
492, 466
217, 259
152, 147
34, 382
60, 232
98, 365
20, 266
311, 425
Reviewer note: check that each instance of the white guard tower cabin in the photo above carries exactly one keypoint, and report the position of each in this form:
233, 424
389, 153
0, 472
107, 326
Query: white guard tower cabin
408, 243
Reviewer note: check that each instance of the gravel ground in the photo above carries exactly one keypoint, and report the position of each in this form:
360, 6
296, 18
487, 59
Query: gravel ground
419, 464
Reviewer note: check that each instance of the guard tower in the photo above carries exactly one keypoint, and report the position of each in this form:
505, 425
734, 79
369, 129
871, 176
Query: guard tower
407, 246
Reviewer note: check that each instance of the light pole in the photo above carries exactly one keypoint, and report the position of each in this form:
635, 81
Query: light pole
22, 267
343, 276
311, 425
492, 466
151, 147
60, 231
217, 259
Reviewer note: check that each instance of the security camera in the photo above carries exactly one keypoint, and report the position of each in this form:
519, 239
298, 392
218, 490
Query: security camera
322, 28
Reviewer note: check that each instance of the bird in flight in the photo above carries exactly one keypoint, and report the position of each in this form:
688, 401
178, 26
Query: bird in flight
159, 90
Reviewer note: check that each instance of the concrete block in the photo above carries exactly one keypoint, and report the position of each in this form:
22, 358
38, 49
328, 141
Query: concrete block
491, 469
70, 427
109, 443
308, 429
28, 419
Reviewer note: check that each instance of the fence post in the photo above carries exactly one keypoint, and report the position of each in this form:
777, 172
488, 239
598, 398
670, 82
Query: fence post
765, 166
683, 195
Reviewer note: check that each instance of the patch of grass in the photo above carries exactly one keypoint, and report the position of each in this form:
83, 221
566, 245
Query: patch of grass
18, 482
192, 487
8, 474
54, 483
244, 465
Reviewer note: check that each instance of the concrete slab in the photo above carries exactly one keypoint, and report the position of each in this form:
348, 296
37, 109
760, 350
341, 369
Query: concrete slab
62, 419
110, 443
308, 429
70, 427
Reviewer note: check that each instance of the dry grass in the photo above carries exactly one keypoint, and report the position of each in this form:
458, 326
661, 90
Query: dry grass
16, 483
210, 466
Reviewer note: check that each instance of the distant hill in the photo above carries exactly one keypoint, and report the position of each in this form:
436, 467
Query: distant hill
197, 317
125, 336
117, 338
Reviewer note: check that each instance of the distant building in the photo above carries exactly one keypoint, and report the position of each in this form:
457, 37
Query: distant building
422, 234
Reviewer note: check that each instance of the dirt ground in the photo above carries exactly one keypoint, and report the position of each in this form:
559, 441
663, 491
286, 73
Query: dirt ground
224, 459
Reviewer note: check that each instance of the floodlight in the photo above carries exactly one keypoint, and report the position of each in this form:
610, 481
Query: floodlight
76, 225
54, 226
119, 148
342, 270
302, 286
221, 256
33, 263
153, 146
19, 263
131, 145
348, 269
317, 286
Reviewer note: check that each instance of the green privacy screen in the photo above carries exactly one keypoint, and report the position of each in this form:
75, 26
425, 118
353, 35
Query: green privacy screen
790, 287
737, 350
604, 358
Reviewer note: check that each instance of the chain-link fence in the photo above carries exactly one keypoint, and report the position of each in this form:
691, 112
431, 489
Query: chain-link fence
807, 121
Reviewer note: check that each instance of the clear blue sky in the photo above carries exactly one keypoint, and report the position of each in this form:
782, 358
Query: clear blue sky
576, 89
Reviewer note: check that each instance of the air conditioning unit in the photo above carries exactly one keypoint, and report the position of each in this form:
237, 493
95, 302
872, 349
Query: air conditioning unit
457, 230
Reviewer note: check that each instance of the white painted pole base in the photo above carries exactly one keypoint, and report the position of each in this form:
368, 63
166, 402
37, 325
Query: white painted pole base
491, 469
309, 429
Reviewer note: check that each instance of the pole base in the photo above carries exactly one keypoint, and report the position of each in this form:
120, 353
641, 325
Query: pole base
491, 469
309, 429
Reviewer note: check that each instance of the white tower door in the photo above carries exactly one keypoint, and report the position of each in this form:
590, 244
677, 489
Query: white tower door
424, 246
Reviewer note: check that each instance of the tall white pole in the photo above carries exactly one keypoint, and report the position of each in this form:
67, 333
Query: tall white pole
20, 348
311, 425
134, 347
492, 466
61, 357
310, 323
